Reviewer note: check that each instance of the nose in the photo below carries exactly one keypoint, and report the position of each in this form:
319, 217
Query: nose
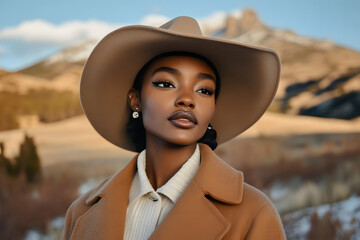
185, 99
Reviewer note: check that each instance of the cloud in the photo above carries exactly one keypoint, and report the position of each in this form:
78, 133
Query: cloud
236, 13
37, 39
154, 20
209, 24
213, 23
72, 32
40, 31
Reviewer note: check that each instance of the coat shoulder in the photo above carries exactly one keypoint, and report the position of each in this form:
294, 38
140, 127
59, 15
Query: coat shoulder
256, 198
78, 208
266, 222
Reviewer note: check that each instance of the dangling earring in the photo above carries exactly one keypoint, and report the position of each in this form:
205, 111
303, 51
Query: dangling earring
135, 114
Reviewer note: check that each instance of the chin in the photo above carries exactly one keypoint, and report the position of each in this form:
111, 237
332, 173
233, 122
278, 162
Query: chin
179, 137
183, 141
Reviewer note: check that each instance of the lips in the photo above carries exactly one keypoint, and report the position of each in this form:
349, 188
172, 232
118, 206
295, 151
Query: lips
183, 119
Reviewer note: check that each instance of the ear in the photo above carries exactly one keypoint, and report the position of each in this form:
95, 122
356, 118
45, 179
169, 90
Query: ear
134, 99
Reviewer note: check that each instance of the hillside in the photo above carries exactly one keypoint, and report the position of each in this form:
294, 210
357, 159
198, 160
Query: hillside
2, 71
23, 83
319, 78
62, 61
74, 139
298, 161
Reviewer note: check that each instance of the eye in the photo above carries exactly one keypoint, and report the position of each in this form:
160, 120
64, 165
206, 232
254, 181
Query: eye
163, 84
206, 91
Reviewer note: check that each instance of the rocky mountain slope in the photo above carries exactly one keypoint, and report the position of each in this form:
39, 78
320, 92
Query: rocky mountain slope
319, 78
61, 62
60, 72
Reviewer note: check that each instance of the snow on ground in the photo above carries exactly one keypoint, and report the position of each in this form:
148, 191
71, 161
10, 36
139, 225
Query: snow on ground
347, 212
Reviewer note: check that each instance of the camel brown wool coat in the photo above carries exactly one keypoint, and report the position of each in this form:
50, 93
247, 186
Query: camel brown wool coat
217, 204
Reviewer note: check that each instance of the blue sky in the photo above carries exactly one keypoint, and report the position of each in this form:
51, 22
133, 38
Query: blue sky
31, 30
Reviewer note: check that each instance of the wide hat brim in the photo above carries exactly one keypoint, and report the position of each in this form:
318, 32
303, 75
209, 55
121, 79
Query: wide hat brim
249, 78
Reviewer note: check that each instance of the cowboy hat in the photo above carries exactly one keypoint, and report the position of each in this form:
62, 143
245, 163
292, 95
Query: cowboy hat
249, 76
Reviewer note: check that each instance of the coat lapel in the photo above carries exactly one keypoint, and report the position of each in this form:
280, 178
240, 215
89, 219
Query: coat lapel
194, 216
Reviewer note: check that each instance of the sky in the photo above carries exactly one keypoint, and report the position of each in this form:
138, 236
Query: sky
31, 30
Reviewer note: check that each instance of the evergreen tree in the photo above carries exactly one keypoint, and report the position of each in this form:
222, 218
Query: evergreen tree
5, 164
28, 160
2, 159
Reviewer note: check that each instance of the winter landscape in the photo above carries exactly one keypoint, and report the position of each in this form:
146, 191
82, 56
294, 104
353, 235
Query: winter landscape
304, 153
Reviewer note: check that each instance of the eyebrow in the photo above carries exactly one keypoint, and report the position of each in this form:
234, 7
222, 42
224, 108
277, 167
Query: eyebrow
177, 72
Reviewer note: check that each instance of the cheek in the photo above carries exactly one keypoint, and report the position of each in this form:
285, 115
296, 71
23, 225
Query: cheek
153, 110
207, 113
148, 107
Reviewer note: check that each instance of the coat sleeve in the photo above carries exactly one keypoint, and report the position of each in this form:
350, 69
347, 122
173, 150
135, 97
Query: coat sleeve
266, 225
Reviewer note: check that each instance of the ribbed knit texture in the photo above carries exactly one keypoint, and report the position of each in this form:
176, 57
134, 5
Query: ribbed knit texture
147, 207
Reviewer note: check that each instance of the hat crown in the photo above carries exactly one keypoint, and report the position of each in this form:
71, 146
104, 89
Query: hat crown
183, 24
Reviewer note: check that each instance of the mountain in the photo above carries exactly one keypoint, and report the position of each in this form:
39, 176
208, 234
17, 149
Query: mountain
2, 71
60, 71
22, 83
319, 77
62, 61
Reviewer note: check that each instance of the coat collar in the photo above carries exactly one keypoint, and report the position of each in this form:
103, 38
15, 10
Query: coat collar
193, 211
218, 179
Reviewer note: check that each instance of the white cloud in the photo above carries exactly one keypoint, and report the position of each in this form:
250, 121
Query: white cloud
236, 13
72, 32
39, 31
209, 24
213, 23
154, 20
37, 39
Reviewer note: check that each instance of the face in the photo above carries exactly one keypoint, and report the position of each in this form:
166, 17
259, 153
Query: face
177, 99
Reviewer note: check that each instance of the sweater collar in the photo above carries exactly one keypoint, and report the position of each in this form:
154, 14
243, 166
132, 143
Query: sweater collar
173, 188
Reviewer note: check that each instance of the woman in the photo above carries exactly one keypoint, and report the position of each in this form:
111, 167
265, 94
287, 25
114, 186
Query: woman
176, 187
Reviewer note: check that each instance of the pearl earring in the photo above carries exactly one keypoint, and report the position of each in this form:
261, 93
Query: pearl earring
209, 127
135, 114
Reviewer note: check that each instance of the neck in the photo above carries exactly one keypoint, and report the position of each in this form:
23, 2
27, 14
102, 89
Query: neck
164, 159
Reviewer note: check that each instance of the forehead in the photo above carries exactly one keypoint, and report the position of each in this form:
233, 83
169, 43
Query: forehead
182, 63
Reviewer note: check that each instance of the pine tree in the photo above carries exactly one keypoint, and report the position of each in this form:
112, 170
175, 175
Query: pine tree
28, 160
2, 159
5, 164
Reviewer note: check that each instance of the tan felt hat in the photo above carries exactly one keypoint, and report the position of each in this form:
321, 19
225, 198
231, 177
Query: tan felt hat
249, 76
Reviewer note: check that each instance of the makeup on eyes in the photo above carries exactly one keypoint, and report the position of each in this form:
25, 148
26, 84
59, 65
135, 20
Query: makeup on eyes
168, 84
162, 84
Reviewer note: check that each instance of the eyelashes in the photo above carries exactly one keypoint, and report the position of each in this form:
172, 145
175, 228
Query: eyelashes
206, 91
163, 84
167, 84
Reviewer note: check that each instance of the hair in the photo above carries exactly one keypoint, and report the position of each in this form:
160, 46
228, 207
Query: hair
135, 127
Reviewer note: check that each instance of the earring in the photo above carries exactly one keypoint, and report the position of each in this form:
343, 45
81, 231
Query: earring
209, 127
135, 114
